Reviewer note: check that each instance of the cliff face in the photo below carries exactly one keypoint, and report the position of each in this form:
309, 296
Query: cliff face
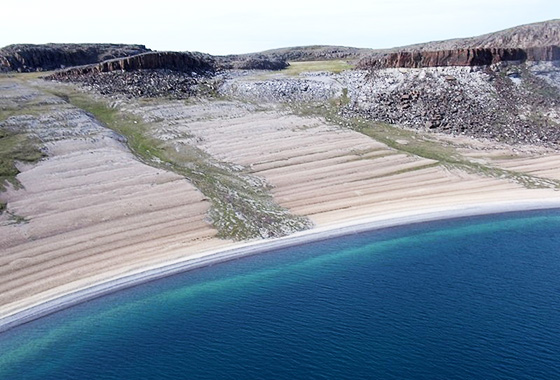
153, 74
26, 58
183, 62
531, 36
459, 57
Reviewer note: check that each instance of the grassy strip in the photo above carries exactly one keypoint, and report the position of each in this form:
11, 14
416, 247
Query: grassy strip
449, 157
242, 207
419, 145
297, 68
15, 147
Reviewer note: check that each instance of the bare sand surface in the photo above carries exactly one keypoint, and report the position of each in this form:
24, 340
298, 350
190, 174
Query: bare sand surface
92, 211
97, 287
326, 172
100, 220
546, 166
540, 162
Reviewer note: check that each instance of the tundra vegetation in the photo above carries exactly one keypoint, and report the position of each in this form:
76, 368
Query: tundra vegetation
242, 207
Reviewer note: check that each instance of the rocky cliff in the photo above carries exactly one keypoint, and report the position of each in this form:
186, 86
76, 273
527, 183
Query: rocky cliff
152, 74
459, 57
527, 37
168, 74
186, 62
26, 58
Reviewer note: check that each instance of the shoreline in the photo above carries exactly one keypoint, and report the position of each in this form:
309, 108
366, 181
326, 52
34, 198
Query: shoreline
202, 259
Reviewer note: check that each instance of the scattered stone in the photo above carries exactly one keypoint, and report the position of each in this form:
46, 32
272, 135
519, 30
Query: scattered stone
143, 83
290, 90
480, 103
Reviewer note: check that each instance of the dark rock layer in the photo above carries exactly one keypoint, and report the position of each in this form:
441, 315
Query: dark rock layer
26, 58
182, 62
185, 62
459, 57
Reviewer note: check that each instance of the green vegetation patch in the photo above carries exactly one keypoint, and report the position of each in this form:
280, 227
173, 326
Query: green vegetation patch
297, 68
15, 147
447, 155
421, 145
242, 207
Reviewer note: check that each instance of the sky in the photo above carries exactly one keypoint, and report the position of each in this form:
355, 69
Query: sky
244, 26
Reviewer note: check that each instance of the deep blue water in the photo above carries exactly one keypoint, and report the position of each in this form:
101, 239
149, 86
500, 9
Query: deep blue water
474, 298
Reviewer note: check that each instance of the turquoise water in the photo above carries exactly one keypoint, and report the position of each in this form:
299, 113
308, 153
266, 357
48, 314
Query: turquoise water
471, 298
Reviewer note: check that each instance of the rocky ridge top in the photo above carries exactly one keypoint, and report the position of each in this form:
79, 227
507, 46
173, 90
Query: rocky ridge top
316, 53
530, 36
537, 34
28, 57
509, 94
161, 74
186, 62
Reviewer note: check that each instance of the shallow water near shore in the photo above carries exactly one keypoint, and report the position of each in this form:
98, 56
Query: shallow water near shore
466, 298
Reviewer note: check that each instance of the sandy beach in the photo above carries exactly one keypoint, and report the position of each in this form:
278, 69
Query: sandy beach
97, 219
44, 306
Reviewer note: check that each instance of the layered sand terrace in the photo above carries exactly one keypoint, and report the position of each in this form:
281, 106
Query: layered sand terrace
536, 161
95, 212
326, 172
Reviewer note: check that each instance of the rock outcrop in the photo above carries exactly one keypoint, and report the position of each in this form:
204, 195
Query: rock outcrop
143, 83
509, 103
541, 35
459, 57
185, 62
26, 58
167, 74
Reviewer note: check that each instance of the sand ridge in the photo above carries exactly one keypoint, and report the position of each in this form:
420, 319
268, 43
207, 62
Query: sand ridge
329, 173
93, 208
96, 213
